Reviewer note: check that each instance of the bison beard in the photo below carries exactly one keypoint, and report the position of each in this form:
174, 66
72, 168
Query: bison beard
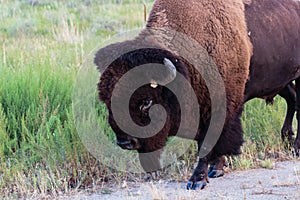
220, 27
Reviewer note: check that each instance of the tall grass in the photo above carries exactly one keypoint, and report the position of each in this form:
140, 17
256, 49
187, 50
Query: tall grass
43, 44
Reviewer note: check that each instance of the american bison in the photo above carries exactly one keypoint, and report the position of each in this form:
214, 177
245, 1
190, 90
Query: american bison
220, 28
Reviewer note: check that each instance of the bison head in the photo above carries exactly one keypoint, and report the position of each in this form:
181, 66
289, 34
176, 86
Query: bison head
144, 98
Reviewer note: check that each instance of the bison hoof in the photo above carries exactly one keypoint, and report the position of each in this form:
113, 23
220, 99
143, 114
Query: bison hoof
297, 149
296, 153
216, 173
196, 185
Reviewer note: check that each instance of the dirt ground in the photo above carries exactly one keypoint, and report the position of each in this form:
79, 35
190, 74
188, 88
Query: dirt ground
282, 182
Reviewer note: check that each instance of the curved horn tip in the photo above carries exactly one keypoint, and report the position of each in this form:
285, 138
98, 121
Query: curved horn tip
169, 64
171, 68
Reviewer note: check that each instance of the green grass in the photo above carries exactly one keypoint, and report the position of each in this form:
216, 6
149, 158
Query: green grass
43, 44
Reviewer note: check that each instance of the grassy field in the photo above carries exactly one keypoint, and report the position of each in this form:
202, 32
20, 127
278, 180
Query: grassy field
43, 44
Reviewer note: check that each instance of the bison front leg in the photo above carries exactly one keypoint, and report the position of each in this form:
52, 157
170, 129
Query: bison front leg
199, 178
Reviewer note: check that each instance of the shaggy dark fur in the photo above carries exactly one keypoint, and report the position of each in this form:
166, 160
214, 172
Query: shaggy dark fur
159, 95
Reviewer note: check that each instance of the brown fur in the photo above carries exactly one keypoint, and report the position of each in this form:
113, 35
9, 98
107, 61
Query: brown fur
220, 28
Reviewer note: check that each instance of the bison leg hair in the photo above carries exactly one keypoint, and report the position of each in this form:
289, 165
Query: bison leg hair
289, 94
297, 140
199, 178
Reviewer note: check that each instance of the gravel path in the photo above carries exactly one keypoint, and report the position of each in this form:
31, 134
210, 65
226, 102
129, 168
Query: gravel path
282, 182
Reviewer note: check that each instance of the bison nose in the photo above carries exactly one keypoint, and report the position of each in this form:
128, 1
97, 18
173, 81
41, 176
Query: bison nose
131, 144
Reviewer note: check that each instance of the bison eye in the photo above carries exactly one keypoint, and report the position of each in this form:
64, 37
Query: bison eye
146, 104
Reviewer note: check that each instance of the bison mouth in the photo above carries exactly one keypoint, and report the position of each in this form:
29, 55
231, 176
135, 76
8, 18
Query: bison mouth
131, 144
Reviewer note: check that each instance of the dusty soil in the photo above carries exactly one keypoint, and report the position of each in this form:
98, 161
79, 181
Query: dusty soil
282, 182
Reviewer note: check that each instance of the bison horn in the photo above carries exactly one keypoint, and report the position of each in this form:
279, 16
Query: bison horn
171, 74
171, 71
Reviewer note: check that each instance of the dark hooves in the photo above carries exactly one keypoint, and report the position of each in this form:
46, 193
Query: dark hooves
196, 185
296, 153
215, 173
